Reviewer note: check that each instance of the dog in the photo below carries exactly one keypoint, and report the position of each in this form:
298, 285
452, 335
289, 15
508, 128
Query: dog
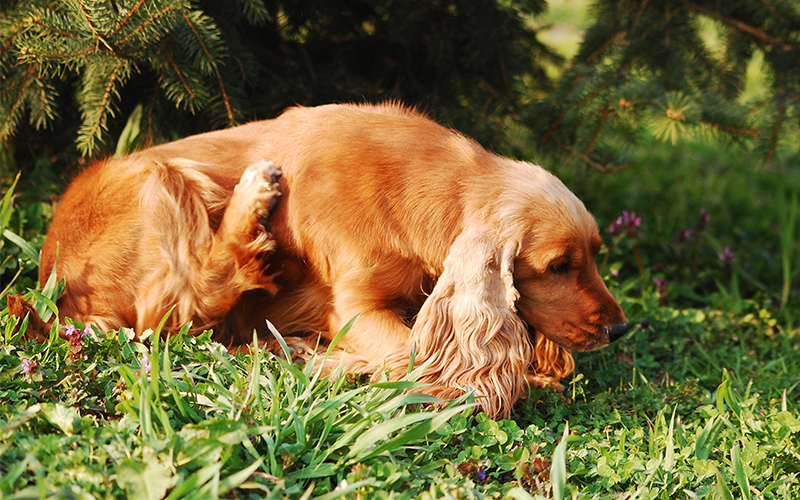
485, 266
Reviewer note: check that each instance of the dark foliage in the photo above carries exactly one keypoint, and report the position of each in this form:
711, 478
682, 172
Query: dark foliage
198, 66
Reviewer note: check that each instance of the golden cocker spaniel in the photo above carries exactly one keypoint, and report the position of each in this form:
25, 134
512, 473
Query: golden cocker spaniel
325, 213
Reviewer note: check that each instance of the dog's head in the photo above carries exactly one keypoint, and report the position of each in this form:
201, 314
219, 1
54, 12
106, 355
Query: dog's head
525, 259
561, 294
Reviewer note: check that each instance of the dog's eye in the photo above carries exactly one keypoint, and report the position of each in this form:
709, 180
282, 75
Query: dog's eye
560, 268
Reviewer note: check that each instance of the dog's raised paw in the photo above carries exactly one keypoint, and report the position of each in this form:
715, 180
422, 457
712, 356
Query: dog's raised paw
264, 174
252, 201
259, 184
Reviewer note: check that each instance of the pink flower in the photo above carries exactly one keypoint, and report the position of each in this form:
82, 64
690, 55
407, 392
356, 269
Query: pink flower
28, 366
615, 272
613, 229
31, 371
632, 223
659, 282
146, 363
726, 256
75, 338
627, 221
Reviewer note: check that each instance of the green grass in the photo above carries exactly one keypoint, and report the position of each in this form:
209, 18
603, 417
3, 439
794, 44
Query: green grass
692, 404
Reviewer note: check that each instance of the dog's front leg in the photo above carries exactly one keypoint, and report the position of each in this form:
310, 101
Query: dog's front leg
378, 340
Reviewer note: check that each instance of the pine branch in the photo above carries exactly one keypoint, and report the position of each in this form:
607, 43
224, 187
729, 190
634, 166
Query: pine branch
54, 30
256, 12
638, 15
760, 35
182, 83
124, 21
597, 131
593, 163
212, 61
14, 89
100, 90
778, 122
42, 104
733, 130
177, 71
160, 16
13, 30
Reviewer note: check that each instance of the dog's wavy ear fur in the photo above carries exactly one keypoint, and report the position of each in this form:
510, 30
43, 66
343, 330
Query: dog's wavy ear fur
468, 328
551, 364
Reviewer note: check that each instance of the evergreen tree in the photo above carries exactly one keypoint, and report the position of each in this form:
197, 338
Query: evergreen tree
194, 66
645, 67
96, 46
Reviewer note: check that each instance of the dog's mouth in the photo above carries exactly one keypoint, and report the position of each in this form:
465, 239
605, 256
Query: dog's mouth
593, 337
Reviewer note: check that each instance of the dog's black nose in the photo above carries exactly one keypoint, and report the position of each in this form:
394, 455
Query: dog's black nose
617, 331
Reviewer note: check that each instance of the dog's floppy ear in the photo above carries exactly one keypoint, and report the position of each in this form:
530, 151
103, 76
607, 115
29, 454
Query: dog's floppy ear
468, 328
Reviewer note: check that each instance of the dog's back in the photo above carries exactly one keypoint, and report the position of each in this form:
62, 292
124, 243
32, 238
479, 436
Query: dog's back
350, 174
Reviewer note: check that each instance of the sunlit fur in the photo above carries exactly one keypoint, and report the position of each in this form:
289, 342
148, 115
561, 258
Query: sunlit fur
482, 265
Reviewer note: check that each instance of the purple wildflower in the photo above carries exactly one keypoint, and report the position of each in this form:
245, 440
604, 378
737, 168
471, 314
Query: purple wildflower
614, 228
71, 331
726, 256
75, 335
632, 223
31, 371
28, 366
146, 363
659, 282
615, 272
627, 221
481, 474
75, 338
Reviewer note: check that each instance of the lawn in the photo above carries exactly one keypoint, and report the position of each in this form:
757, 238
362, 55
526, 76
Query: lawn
699, 400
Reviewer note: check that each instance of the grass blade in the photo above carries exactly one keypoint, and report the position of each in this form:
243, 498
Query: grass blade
739, 473
347, 490
235, 479
669, 457
6, 205
707, 438
558, 469
722, 489
431, 421
24, 245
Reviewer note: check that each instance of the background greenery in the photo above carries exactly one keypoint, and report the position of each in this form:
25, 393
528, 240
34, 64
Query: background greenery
682, 112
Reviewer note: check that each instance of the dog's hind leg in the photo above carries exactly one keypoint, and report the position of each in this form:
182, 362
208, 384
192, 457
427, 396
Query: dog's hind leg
206, 272
235, 261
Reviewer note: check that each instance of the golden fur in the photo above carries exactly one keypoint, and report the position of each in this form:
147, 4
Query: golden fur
380, 212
